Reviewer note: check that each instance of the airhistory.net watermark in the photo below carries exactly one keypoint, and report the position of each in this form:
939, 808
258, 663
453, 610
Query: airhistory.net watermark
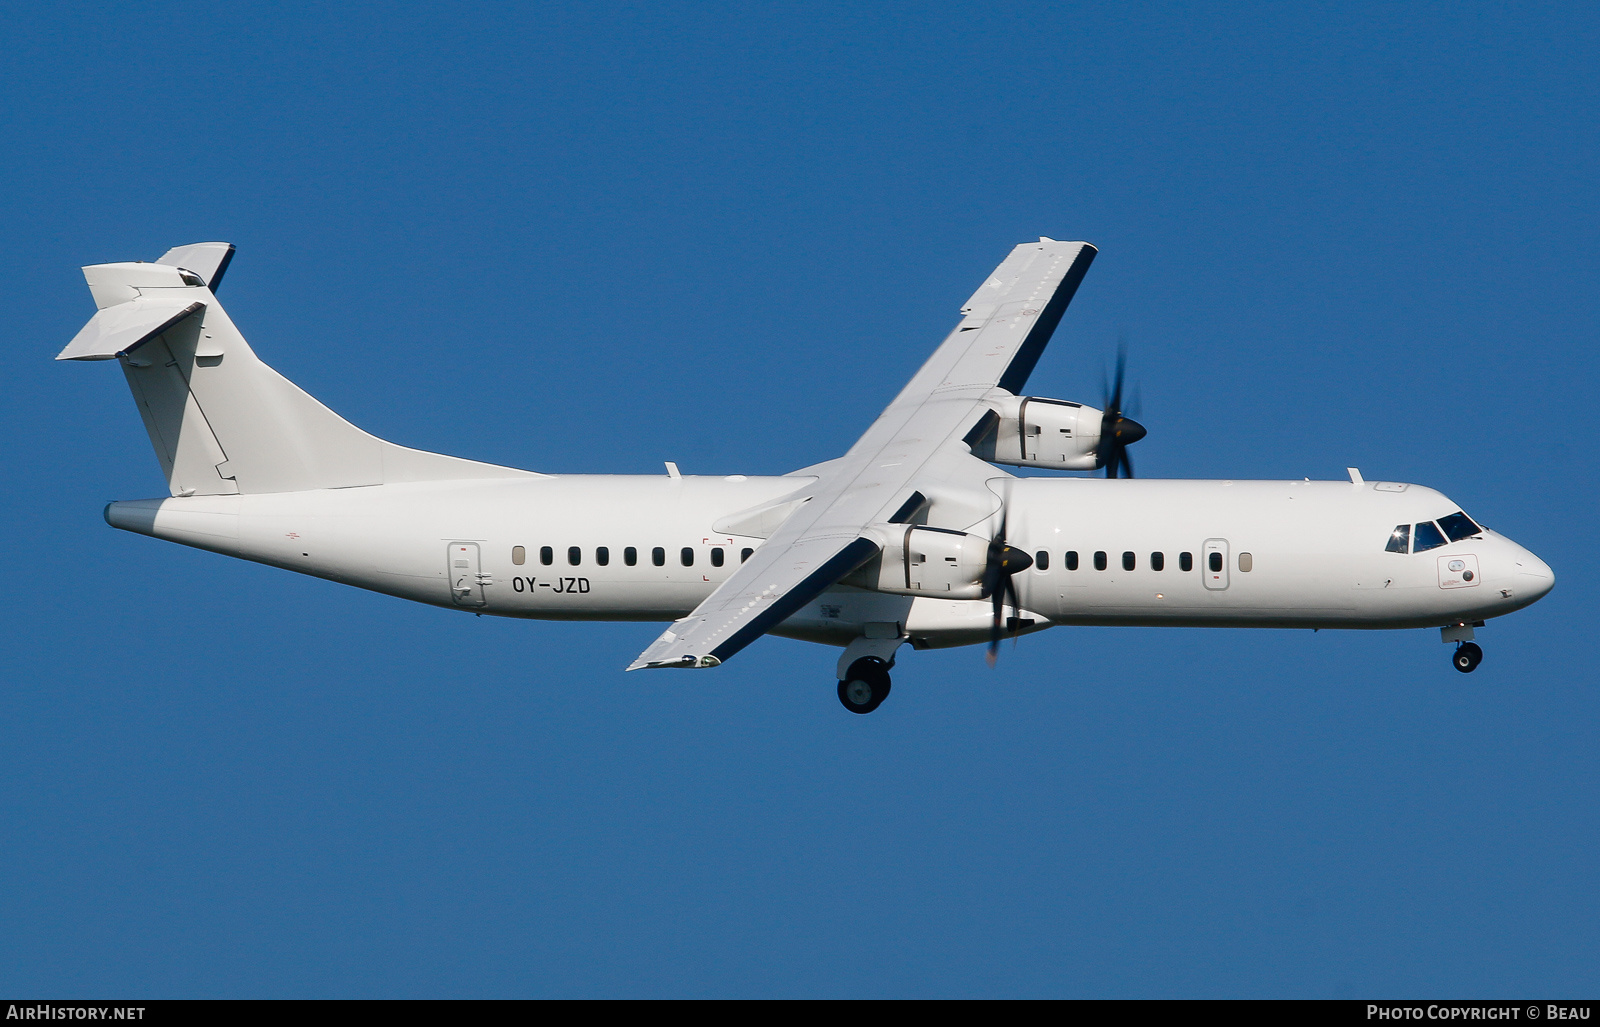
51, 1011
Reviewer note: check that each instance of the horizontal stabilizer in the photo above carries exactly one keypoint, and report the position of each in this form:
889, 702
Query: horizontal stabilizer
207, 259
120, 328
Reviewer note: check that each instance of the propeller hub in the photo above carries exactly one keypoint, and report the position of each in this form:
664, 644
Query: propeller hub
1013, 560
1127, 431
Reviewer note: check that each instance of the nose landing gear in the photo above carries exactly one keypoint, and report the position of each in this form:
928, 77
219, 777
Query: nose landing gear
1467, 657
865, 685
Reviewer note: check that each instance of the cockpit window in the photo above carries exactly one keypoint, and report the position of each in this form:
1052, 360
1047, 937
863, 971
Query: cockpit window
1428, 537
1399, 539
1458, 526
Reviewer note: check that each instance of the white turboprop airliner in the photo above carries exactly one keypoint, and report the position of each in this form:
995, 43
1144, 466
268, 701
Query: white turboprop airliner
913, 536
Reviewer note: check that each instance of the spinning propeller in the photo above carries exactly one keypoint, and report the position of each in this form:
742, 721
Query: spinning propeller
1003, 562
1117, 430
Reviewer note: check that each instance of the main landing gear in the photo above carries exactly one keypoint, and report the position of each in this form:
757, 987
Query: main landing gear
1467, 657
865, 685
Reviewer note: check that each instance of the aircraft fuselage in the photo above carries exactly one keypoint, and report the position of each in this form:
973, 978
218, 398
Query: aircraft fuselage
1307, 554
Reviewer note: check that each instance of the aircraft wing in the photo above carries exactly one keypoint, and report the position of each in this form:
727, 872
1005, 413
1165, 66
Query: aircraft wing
912, 449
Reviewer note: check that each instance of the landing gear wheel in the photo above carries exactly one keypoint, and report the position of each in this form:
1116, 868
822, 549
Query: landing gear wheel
1468, 656
865, 685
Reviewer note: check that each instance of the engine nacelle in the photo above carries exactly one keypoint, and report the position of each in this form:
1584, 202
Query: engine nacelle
1034, 432
921, 561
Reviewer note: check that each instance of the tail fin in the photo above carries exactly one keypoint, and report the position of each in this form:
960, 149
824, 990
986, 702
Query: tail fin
221, 421
207, 260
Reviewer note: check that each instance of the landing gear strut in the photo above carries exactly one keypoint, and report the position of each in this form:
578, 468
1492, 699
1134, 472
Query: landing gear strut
1467, 657
865, 685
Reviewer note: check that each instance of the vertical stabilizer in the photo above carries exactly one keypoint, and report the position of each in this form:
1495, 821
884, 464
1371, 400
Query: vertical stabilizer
220, 419
208, 260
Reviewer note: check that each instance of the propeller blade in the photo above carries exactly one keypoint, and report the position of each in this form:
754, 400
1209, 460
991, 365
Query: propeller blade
993, 655
1011, 562
1122, 372
994, 582
992, 567
1118, 431
991, 576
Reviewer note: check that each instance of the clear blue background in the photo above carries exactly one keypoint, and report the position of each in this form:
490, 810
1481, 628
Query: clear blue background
595, 237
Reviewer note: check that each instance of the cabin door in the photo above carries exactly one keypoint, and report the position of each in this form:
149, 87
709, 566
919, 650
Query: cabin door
465, 574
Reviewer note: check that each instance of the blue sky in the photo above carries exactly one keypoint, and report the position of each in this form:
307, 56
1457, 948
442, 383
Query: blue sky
596, 237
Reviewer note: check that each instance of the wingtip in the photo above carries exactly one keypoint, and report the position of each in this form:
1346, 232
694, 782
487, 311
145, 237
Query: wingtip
685, 662
1091, 247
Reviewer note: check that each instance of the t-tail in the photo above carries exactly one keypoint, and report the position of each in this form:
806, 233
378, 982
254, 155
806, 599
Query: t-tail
222, 422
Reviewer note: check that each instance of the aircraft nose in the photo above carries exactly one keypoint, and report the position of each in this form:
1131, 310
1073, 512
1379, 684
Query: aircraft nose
1534, 577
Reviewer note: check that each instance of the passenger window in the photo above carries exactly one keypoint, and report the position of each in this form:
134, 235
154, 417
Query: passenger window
1215, 560
519, 555
687, 556
744, 554
658, 556
1185, 561
574, 555
1399, 539
716, 556
1246, 562
630, 556
1128, 561
1100, 560
1427, 537
1158, 561
1072, 559
1041, 560
602, 556
547, 556
1459, 526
